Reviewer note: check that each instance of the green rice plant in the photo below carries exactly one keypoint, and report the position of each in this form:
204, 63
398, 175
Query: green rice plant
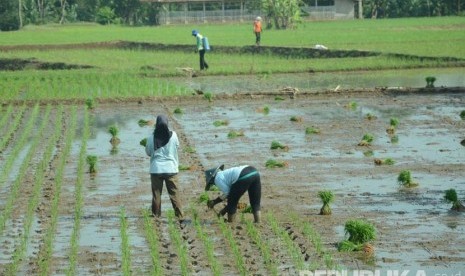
178, 110
430, 81
292, 249
208, 96
190, 149
92, 162
405, 179
450, 196
126, 251
179, 244
278, 145
5, 138
394, 122
296, 119
462, 114
234, 134
278, 98
312, 130
143, 122
238, 256
326, 197
387, 161
368, 153
204, 198
74, 242
367, 139
262, 245
90, 103
360, 231
208, 244
265, 110
114, 131
370, 117
247, 210
143, 142
394, 139
151, 236
272, 163
182, 167
351, 105
348, 246
221, 123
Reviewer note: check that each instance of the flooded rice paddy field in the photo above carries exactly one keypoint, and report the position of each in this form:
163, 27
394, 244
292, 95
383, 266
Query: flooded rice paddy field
415, 228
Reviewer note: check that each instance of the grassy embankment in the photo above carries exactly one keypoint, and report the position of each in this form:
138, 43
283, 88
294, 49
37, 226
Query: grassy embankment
126, 73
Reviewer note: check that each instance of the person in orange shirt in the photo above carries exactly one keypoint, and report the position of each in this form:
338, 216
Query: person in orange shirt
257, 29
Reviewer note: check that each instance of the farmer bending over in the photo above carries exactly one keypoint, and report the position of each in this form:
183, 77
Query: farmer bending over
234, 182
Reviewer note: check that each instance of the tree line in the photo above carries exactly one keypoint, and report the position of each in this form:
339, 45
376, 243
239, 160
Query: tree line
14, 14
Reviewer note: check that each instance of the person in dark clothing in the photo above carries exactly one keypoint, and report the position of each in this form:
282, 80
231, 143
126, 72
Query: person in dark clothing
234, 182
201, 49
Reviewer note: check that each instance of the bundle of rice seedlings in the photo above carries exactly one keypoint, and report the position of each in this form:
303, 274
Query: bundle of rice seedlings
405, 179
272, 163
278, 145
204, 198
366, 140
311, 130
451, 197
326, 197
143, 142
221, 123
234, 134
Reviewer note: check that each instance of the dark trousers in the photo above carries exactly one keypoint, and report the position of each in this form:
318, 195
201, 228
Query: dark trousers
257, 38
203, 63
157, 188
252, 185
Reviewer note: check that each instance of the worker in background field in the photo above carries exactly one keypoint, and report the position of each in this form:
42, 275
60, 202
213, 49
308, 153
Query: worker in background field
234, 182
257, 29
201, 49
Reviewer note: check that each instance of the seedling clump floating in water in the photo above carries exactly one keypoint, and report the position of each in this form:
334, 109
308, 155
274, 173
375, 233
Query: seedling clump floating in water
405, 179
143, 142
326, 197
387, 161
360, 233
114, 135
430, 82
351, 105
278, 145
265, 110
366, 140
370, 117
221, 123
393, 123
92, 162
177, 111
234, 134
272, 163
451, 197
296, 119
312, 130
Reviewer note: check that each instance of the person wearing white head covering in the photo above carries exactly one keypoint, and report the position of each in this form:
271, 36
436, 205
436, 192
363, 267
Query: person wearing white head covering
257, 29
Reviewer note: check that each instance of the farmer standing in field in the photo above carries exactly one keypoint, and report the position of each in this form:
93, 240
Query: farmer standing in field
162, 147
201, 49
257, 29
234, 182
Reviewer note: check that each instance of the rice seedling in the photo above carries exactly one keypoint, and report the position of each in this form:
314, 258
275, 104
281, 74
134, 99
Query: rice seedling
152, 238
430, 81
221, 123
247, 210
238, 256
296, 119
405, 179
462, 114
208, 244
126, 252
394, 139
278, 98
90, 103
208, 96
265, 110
190, 149
92, 162
143, 122
12, 129
368, 153
312, 130
393, 123
370, 117
203, 198
234, 134
367, 139
326, 197
182, 167
262, 245
179, 243
114, 131
450, 196
143, 142
178, 110
387, 161
359, 234
272, 163
278, 145
351, 105
292, 248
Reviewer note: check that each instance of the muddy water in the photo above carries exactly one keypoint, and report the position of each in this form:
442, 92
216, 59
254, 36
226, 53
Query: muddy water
416, 230
322, 81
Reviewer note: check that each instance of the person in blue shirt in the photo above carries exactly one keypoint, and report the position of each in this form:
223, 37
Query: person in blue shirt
201, 49
233, 183
162, 147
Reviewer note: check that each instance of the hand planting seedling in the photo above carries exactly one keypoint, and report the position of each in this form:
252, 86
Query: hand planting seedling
451, 197
405, 179
92, 162
278, 145
366, 140
326, 197
360, 233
